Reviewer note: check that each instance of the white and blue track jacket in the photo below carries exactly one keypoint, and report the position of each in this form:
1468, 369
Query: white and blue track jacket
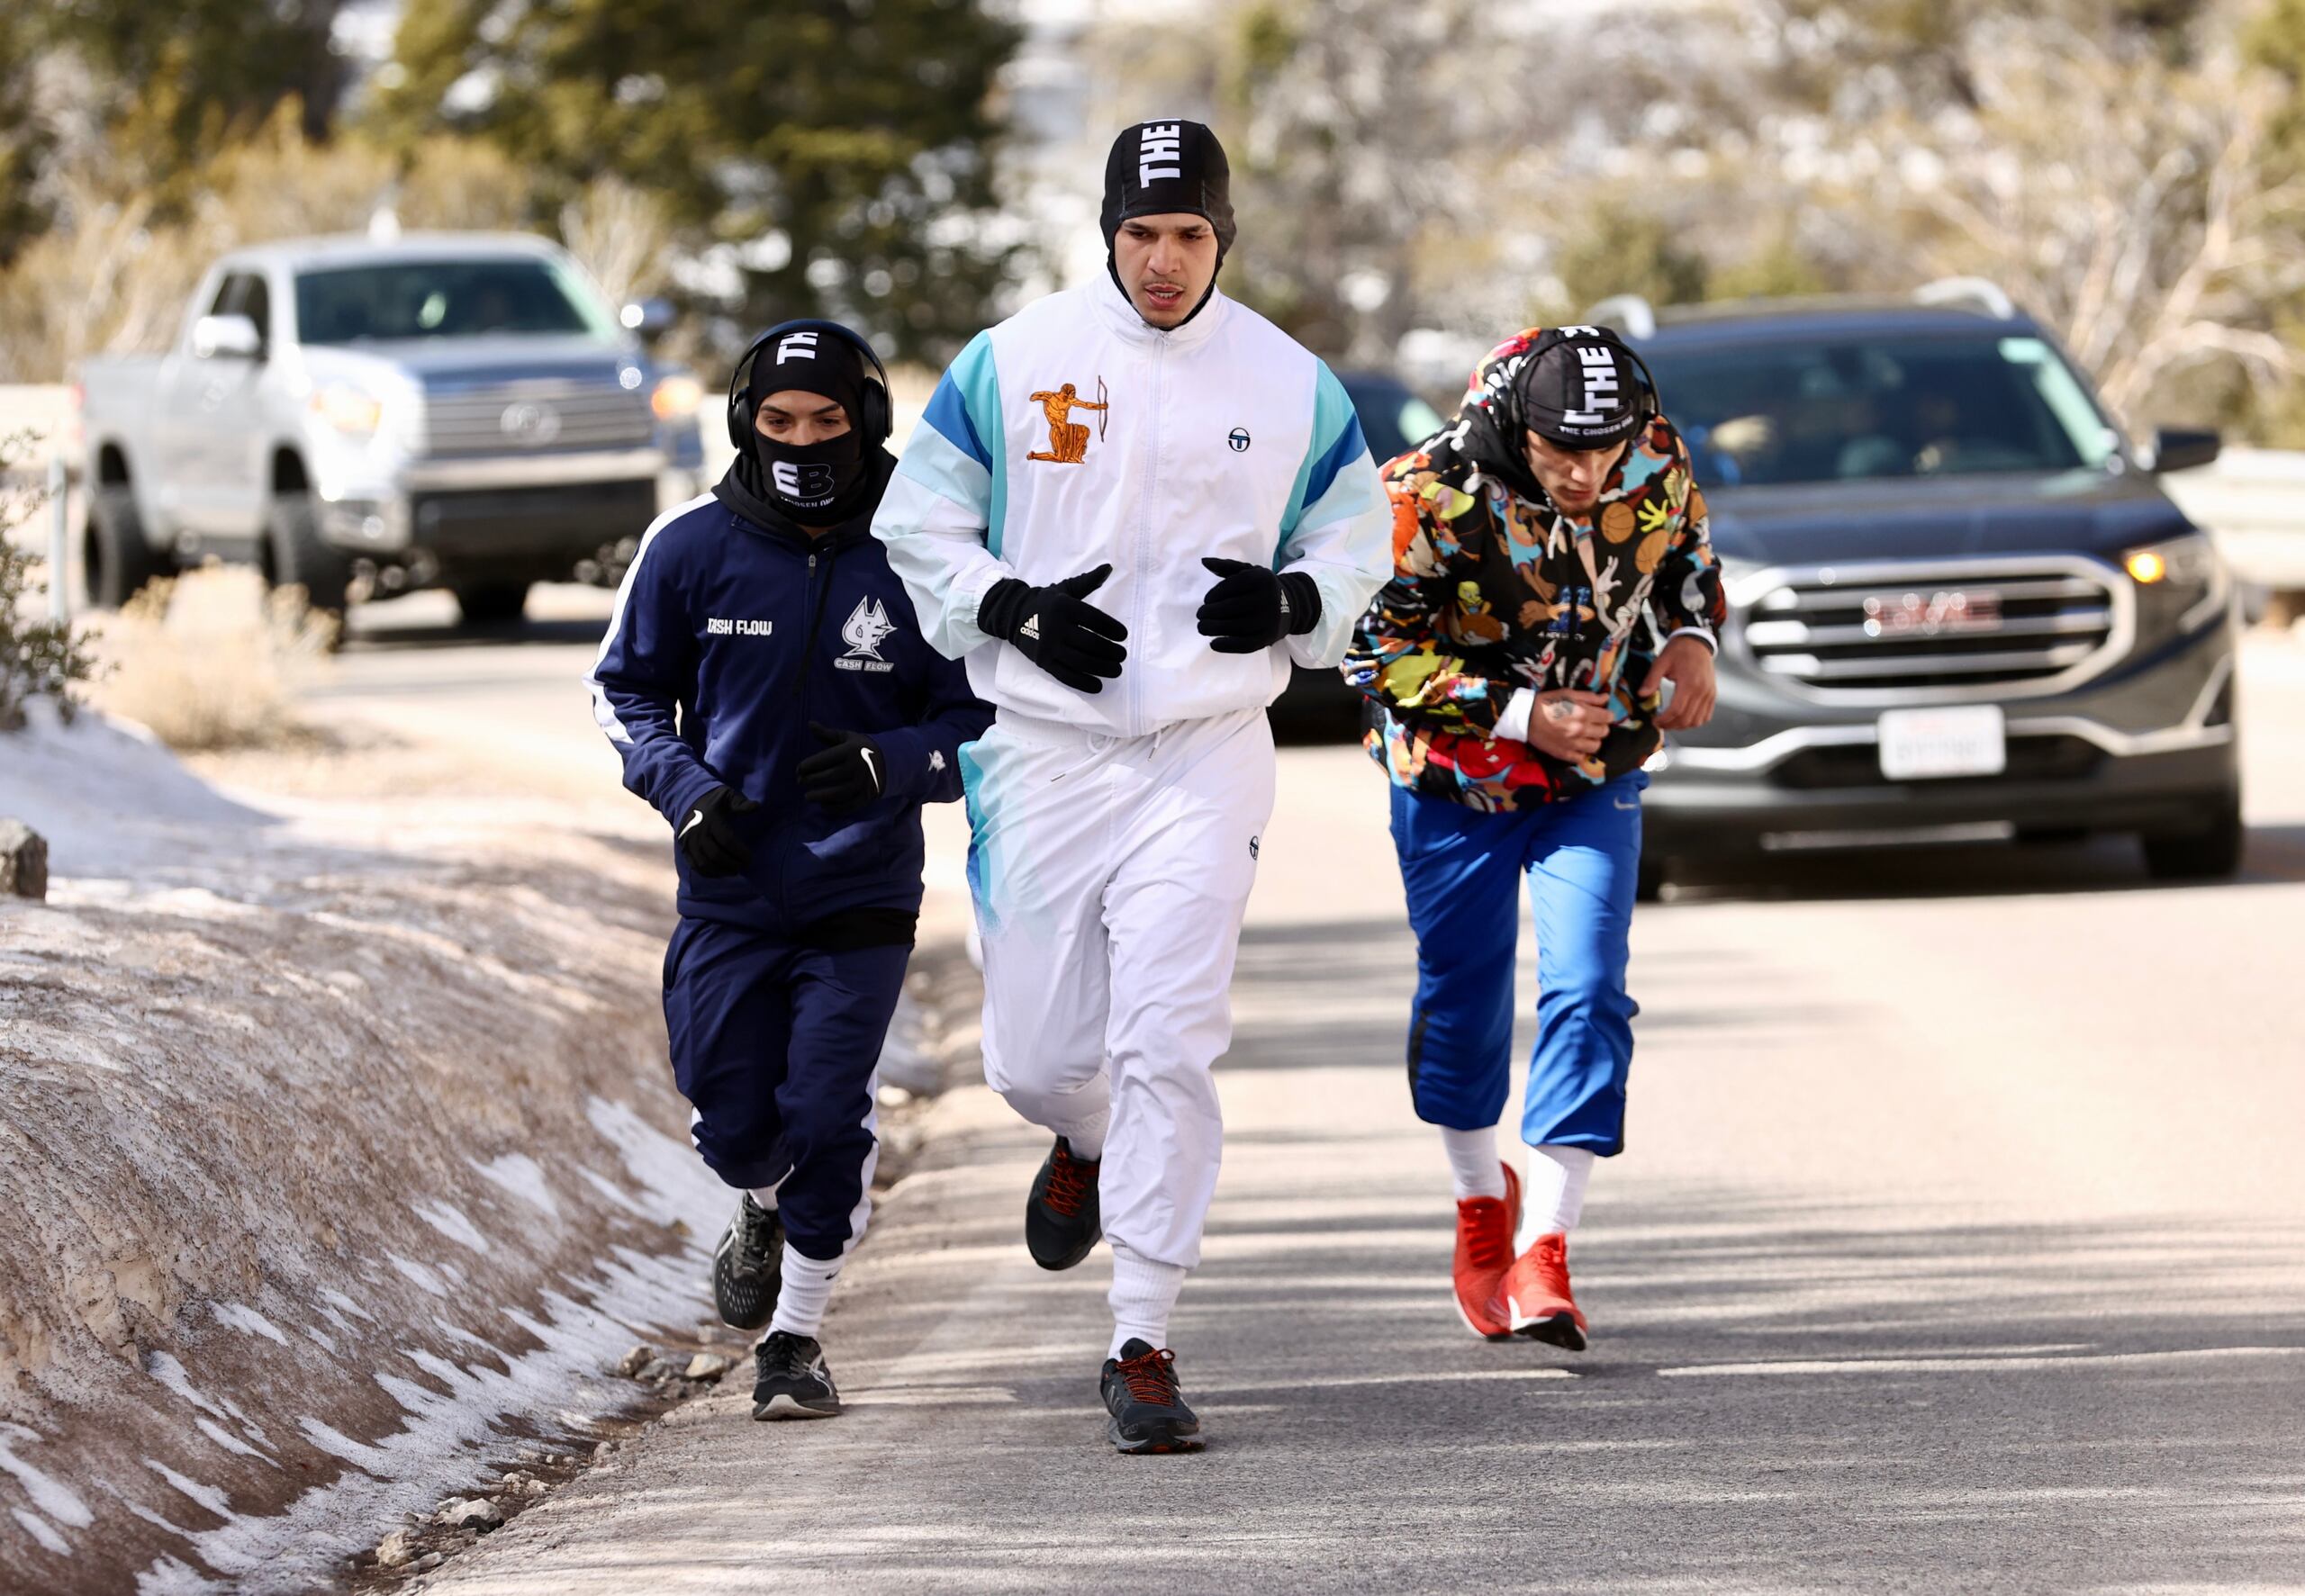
1074, 435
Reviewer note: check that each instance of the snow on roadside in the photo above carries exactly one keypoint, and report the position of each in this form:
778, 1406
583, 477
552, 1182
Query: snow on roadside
334, 1166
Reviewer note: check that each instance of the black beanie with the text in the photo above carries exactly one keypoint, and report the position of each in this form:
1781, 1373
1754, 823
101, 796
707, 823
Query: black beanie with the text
1158, 168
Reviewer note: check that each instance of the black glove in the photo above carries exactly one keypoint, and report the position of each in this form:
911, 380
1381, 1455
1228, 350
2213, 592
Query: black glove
709, 838
1252, 608
847, 773
1057, 629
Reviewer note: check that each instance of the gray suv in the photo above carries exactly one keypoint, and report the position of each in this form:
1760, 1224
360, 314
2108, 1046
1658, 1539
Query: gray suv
1958, 594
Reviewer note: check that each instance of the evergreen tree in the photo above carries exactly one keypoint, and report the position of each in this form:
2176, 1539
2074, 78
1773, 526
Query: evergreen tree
24, 141
179, 80
845, 148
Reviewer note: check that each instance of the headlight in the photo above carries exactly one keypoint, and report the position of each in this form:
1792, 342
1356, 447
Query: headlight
676, 397
348, 409
2180, 583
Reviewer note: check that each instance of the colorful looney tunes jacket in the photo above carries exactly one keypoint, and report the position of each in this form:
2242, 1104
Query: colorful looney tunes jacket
1494, 591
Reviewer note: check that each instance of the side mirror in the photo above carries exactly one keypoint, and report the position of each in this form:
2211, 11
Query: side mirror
2178, 448
226, 338
650, 318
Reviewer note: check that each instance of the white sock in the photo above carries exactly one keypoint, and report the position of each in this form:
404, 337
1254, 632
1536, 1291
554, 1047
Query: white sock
764, 1196
801, 1300
1144, 1293
1472, 1162
1089, 1145
1555, 1194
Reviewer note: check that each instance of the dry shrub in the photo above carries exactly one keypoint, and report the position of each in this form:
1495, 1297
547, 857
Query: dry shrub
39, 657
211, 660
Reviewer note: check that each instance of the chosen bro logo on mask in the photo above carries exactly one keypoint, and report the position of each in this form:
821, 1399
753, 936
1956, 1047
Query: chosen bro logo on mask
806, 482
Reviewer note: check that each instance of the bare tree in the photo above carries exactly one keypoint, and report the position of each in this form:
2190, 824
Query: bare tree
621, 234
2170, 242
110, 276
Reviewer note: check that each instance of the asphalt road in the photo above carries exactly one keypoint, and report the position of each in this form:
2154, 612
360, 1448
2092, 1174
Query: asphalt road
1960, 1245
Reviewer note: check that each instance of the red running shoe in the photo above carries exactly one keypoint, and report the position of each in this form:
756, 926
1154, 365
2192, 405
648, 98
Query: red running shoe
1532, 1299
1483, 1252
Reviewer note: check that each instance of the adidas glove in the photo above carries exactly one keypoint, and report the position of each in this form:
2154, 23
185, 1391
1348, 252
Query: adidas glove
847, 773
1251, 609
1057, 629
709, 838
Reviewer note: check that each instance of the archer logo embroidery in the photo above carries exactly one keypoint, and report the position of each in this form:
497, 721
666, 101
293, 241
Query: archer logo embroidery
867, 626
1067, 440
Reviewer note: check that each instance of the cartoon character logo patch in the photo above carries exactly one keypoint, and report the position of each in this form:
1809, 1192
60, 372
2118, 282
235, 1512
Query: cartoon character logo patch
867, 627
1067, 440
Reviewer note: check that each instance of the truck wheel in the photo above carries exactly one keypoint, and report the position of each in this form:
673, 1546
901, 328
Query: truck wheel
2214, 854
115, 559
492, 603
297, 558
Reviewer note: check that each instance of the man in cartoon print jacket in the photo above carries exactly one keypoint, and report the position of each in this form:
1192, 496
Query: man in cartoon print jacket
1552, 580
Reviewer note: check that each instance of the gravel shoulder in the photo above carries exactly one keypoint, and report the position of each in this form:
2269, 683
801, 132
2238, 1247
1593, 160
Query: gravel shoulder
343, 1158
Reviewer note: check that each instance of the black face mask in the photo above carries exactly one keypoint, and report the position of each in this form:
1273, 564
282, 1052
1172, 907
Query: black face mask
809, 483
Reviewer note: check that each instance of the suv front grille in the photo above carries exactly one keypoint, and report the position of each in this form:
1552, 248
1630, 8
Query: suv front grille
1940, 632
550, 415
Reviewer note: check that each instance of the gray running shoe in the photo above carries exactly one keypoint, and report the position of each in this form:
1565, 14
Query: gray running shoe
792, 1380
750, 1266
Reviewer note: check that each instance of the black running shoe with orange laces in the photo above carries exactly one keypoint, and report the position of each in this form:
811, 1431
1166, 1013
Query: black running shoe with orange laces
1062, 1217
1146, 1413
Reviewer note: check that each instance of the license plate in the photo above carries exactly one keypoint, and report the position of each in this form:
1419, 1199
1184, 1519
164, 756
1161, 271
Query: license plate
1917, 744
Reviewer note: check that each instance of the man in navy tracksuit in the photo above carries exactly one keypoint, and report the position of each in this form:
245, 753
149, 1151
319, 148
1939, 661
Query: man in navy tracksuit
768, 687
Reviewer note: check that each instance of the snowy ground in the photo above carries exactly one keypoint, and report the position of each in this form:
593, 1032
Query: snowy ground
340, 1151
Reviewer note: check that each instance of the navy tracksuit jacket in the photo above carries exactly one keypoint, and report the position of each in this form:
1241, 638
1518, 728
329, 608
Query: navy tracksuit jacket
732, 632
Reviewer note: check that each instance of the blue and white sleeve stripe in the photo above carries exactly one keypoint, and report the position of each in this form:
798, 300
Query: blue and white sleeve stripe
942, 516
1335, 529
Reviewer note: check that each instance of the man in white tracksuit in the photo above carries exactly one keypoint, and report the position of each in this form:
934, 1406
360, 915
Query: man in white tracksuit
1147, 441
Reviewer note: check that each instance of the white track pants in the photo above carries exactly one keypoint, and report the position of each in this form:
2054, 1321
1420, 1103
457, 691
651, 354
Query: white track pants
1110, 875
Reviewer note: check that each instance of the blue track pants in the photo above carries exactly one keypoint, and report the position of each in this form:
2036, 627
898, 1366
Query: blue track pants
1462, 869
775, 1046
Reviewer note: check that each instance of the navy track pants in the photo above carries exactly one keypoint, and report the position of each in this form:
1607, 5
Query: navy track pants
1462, 869
777, 1047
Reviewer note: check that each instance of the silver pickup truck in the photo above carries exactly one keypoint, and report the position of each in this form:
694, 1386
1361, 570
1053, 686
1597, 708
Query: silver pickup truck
365, 419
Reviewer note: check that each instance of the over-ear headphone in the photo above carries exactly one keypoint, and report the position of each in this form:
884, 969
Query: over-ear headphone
876, 423
1649, 403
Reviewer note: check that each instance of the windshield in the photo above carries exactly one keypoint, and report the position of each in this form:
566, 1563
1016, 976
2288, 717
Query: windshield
445, 298
1861, 410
